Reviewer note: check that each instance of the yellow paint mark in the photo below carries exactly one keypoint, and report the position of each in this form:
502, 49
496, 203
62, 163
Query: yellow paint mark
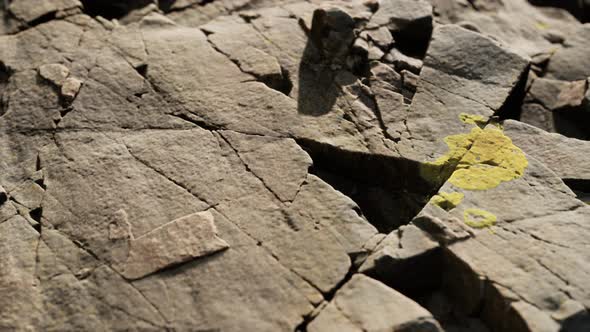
477, 120
447, 201
491, 160
478, 218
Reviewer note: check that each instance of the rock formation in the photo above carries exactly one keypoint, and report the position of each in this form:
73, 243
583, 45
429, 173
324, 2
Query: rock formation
286, 165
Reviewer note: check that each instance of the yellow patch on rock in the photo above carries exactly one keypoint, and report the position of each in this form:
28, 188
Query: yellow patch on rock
474, 119
447, 201
479, 160
440, 169
478, 218
491, 160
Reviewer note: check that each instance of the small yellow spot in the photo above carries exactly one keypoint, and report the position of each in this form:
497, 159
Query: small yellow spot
478, 218
477, 120
542, 25
447, 201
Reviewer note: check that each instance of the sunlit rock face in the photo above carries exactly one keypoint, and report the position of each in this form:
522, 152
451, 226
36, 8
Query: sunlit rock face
393, 165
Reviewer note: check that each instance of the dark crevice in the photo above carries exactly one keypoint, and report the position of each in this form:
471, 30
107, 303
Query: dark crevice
36, 214
578, 8
166, 5
110, 9
142, 70
580, 187
378, 184
188, 117
43, 19
413, 39
513, 104
5, 74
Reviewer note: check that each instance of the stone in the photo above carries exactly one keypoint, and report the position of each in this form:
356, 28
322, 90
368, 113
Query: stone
403, 62
403, 14
176, 242
70, 88
54, 73
251, 165
556, 95
364, 304
404, 260
552, 149
570, 63
29, 10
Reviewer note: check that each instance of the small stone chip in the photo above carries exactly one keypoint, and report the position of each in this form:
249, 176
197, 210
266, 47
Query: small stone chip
70, 88
55, 73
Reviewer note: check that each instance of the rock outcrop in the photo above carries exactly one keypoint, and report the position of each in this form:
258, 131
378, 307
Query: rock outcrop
392, 165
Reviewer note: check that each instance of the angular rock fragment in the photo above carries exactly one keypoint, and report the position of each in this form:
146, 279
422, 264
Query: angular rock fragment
176, 242
55, 73
70, 88
406, 259
364, 304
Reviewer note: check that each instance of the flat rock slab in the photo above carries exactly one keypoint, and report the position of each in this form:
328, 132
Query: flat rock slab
176, 242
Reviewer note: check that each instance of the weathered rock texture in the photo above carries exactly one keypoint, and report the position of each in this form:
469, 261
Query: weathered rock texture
393, 165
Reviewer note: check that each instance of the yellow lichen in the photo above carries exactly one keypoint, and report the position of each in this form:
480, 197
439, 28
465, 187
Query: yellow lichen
478, 218
542, 25
447, 201
480, 160
439, 170
474, 119
491, 160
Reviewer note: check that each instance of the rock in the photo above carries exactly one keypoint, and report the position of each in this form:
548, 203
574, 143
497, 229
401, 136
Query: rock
404, 260
332, 31
380, 37
28, 194
399, 15
54, 73
486, 233
30, 10
70, 88
234, 165
176, 242
570, 63
364, 304
403, 62
552, 149
556, 95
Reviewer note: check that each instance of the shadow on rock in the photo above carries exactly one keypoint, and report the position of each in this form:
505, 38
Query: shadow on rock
320, 70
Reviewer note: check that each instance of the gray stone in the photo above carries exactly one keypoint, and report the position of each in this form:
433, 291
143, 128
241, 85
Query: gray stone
364, 304
571, 62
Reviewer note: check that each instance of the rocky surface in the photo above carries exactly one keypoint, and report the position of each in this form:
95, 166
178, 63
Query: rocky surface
393, 165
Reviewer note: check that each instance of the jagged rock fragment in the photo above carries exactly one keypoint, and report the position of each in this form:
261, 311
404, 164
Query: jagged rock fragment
55, 73
70, 88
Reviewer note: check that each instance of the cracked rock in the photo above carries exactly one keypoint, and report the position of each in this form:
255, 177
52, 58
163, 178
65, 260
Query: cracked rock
364, 304
288, 165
